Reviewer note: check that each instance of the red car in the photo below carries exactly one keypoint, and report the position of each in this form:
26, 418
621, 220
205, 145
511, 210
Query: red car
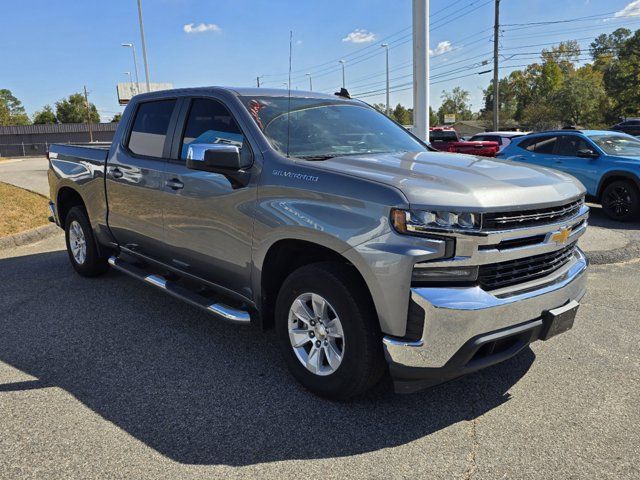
446, 140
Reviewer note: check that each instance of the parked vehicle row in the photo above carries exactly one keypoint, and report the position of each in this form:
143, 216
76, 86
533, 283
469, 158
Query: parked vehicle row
317, 215
447, 140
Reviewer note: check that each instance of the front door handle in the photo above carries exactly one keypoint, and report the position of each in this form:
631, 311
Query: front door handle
174, 184
116, 173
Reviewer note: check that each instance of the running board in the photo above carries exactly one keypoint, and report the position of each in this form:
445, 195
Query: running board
220, 310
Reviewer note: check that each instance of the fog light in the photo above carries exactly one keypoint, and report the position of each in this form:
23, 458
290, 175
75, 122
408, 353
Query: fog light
424, 273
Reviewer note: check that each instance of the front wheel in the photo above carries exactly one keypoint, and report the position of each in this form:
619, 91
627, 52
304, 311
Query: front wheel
621, 201
81, 245
328, 331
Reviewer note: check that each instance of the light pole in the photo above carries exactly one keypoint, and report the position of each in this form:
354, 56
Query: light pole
144, 47
342, 62
135, 64
310, 82
421, 69
386, 47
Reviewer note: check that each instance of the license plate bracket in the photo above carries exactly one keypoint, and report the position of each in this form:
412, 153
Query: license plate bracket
558, 320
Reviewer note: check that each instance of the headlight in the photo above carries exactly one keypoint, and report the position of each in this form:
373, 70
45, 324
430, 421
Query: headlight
422, 221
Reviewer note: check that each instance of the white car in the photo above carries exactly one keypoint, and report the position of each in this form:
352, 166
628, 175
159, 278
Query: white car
503, 138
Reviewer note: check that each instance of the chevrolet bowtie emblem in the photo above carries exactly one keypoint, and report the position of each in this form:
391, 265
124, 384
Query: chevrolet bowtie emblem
562, 236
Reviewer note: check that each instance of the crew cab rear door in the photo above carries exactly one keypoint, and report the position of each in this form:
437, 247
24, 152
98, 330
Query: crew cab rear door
135, 178
208, 218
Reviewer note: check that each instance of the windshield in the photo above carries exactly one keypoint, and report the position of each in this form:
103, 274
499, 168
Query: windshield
324, 128
618, 145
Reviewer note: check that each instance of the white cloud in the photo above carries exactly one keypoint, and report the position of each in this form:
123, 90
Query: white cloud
631, 10
443, 47
201, 27
360, 35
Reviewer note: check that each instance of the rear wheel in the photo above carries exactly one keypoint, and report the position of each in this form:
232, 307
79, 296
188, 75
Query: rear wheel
328, 331
621, 201
81, 245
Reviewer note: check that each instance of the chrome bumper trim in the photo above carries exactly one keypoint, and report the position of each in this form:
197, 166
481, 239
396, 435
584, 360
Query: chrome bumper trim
454, 315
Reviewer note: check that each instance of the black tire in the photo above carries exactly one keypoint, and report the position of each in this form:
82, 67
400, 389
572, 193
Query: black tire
621, 201
362, 363
94, 264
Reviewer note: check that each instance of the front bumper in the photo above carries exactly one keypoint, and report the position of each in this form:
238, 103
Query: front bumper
458, 321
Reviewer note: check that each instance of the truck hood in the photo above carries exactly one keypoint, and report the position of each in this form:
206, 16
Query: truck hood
434, 179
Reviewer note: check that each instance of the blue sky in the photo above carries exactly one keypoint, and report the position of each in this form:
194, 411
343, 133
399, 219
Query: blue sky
51, 49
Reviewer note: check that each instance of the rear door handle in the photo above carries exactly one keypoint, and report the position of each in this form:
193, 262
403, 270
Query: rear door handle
174, 184
116, 173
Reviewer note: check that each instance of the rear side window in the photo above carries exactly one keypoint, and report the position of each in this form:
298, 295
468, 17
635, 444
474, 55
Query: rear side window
443, 136
539, 144
210, 122
150, 126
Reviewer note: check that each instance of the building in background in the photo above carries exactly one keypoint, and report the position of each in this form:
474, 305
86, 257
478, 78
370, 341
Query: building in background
34, 140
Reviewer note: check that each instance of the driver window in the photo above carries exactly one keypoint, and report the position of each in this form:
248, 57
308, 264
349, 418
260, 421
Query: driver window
210, 122
569, 145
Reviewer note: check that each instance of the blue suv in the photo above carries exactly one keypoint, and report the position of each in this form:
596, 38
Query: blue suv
606, 162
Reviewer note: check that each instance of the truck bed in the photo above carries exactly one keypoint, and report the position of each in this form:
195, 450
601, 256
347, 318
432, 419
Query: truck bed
96, 152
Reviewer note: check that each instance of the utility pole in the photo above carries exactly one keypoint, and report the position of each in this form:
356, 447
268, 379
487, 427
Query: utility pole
144, 47
496, 79
310, 82
258, 81
86, 102
421, 69
386, 47
342, 62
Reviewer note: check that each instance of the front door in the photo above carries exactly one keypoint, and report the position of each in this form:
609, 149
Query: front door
135, 179
567, 160
208, 220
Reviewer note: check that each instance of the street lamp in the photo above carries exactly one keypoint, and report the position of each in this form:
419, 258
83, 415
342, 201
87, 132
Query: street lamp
135, 64
386, 47
144, 47
342, 62
310, 82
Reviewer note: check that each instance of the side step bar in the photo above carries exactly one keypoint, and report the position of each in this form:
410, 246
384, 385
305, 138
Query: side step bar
220, 310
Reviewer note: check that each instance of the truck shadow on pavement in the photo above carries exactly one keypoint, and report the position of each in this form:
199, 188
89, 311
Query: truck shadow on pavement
197, 390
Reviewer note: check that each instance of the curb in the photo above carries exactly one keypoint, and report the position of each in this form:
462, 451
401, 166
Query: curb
29, 236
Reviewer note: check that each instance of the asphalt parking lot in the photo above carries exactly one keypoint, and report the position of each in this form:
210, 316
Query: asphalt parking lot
108, 378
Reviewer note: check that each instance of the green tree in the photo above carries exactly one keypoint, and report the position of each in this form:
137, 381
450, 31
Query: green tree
580, 97
73, 110
11, 110
402, 115
455, 102
433, 118
45, 115
116, 118
622, 78
605, 47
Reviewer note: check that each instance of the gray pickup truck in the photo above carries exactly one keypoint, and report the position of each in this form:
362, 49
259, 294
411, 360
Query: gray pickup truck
313, 214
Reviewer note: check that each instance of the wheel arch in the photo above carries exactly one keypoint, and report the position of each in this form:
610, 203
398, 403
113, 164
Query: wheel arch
67, 198
614, 175
282, 258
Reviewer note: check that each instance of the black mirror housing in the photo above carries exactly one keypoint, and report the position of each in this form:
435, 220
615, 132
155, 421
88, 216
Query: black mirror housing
587, 153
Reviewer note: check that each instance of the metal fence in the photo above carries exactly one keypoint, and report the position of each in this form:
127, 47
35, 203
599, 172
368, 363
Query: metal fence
24, 149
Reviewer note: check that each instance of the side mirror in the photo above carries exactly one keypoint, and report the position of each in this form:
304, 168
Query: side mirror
587, 153
220, 158
214, 157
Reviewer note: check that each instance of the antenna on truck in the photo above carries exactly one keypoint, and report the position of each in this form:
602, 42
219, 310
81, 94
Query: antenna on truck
289, 95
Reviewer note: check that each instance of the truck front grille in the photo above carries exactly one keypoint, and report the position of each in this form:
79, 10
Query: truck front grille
528, 218
513, 272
